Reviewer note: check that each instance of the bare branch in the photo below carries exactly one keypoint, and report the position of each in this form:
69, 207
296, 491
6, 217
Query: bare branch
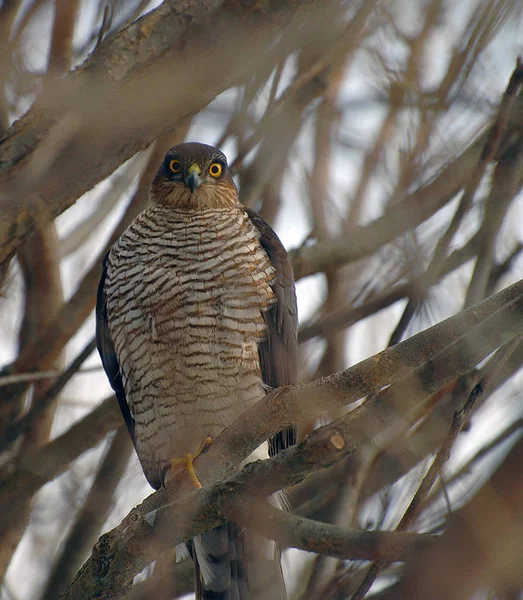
461, 418
24, 423
482, 544
93, 106
398, 219
39, 260
119, 185
130, 546
329, 540
91, 516
37, 469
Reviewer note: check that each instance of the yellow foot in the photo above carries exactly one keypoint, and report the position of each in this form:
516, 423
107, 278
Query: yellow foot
188, 462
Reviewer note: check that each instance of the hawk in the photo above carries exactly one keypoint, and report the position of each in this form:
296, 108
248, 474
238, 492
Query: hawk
196, 321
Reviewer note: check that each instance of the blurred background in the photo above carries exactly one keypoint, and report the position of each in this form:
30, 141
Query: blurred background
356, 129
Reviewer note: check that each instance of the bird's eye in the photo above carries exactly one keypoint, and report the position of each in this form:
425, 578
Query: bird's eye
175, 166
215, 170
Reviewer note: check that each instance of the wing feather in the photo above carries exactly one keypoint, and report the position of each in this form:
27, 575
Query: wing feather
107, 352
279, 351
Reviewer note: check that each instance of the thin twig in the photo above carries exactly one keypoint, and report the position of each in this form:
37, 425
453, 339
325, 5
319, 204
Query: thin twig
461, 418
25, 422
488, 154
24, 377
107, 19
91, 516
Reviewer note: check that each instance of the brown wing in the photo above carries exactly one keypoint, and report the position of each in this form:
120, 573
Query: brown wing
279, 352
107, 352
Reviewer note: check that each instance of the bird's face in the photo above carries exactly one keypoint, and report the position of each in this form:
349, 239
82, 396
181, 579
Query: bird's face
194, 176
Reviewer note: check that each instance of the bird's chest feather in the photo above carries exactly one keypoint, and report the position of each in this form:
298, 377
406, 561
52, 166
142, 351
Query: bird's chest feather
194, 287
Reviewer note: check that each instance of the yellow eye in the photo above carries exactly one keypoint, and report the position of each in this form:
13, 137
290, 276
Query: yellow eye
215, 170
175, 166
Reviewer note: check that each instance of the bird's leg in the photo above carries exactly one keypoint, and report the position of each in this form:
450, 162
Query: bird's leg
188, 462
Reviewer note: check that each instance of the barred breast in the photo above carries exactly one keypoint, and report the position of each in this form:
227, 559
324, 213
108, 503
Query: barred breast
186, 291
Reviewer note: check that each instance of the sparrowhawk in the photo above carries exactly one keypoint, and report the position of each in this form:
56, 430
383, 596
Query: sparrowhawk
196, 321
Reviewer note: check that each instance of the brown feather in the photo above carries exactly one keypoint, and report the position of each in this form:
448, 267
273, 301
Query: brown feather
107, 352
194, 272
279, 352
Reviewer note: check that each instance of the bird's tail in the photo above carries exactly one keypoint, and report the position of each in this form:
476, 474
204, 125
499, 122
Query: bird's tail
236, 564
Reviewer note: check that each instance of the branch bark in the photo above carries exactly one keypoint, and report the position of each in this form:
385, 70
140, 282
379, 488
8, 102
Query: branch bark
330, 540
481, 547
79, 131
39, 261
91, 516
427, 361
436, 356
37, 469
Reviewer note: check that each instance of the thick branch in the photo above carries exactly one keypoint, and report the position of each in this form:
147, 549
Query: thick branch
36, 470
482, 545
91, 516
128, 92
437, 356
330, 540
154, 526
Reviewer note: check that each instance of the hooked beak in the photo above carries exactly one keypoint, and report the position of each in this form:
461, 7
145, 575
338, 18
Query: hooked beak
193, 180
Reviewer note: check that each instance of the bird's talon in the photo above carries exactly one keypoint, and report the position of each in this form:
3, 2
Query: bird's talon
188, 462
206, 442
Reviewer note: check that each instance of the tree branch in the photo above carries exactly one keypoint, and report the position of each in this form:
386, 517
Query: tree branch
91, 517
481, 547
330, 540
129, 91
461, 418
48, 462
155, 526
401, 217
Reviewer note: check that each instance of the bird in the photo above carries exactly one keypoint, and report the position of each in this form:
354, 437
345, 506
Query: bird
196, 321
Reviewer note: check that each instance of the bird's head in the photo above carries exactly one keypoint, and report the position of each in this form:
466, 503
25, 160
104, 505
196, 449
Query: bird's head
194, 176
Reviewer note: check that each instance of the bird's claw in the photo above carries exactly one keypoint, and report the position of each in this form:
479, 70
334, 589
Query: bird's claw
188, 462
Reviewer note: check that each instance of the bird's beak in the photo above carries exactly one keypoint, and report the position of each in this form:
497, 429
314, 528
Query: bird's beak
193, 180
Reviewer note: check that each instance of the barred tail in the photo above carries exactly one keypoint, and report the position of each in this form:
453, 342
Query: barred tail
236, 564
